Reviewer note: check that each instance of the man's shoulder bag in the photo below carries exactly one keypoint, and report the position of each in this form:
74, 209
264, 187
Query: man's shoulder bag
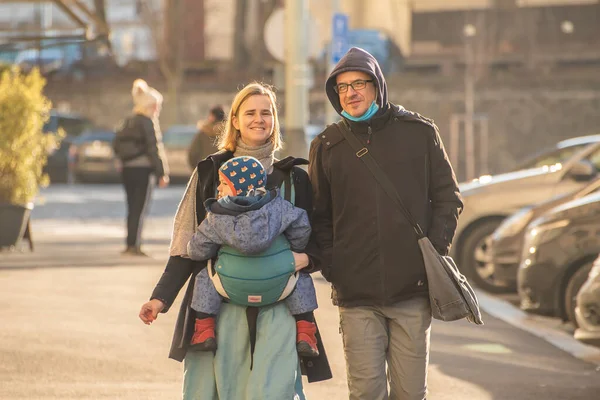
452, 297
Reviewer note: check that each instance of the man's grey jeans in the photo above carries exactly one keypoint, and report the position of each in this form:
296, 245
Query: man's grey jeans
399, 335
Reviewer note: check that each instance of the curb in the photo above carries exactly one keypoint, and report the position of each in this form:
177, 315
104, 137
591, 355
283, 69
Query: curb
534, 325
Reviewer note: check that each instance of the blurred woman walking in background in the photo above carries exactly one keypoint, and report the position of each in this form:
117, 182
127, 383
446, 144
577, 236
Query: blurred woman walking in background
138, 145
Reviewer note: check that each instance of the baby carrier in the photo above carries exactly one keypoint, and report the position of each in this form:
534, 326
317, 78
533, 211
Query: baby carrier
261, 279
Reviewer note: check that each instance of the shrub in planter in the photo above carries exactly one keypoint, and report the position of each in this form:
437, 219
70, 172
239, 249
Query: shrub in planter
23, 146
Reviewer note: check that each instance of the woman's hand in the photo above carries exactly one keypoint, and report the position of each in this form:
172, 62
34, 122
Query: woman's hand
150, 310
163, 181
301, 260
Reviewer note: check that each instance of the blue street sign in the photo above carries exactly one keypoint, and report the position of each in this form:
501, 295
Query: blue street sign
339, 38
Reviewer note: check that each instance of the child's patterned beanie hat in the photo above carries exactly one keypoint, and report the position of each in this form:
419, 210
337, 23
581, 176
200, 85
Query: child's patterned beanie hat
243, 174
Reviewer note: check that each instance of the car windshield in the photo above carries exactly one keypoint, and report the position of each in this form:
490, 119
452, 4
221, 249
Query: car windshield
559, 156
90, 136
73, 126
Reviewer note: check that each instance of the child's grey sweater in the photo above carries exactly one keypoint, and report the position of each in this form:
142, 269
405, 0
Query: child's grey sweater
249, 225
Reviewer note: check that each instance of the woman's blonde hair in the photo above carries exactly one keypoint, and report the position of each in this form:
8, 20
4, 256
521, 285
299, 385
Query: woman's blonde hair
145, 97
228, 139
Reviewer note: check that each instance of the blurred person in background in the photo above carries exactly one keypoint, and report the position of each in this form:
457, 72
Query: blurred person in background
203, 143
138, 146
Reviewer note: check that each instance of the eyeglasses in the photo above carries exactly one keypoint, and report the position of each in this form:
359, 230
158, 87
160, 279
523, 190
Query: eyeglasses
358, 84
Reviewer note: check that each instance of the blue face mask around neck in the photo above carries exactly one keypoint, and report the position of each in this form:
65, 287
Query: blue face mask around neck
373, 108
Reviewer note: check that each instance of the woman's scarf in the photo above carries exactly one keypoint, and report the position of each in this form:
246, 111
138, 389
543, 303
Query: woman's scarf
186, 222
264, 153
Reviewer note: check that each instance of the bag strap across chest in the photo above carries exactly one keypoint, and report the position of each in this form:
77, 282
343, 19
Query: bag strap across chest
386, 184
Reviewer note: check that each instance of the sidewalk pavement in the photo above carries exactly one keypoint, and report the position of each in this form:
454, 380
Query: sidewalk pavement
87, 243
142, 369
69, 332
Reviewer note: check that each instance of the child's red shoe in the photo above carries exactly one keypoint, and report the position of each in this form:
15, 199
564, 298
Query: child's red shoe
204, 335
306, 341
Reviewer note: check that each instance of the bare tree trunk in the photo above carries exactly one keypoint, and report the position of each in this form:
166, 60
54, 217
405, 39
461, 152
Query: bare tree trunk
258, 48
531, 21
174, 70
169, 40
240, 55
100, 8
483, 50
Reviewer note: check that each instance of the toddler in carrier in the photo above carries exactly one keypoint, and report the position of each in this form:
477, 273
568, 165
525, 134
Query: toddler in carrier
248, 218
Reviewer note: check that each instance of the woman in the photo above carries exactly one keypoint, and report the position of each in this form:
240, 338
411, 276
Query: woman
251, 130
138, 145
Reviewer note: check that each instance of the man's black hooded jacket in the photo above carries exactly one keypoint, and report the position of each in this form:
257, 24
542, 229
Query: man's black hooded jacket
368, 250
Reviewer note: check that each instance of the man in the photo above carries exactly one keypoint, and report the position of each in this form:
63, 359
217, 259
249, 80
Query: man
203, 143
369, 251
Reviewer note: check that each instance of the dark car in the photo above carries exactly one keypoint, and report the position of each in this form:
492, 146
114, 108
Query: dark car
505, 245
92, 158
73, 126
558, 252
587, 311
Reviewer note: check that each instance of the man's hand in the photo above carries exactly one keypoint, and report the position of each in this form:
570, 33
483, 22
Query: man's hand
150, 310
301, 260
163, 181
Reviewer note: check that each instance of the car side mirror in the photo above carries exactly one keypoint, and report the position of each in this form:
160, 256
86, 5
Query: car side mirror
582, 170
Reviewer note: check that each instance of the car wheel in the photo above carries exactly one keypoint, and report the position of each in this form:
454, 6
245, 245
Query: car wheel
575, 282
474, 260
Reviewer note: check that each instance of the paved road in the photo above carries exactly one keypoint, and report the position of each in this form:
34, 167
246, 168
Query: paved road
69, 327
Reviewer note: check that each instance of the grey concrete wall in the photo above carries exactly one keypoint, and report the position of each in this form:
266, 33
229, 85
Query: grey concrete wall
524, 117
521, 121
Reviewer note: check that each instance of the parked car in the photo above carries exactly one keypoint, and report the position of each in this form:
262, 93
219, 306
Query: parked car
505, 245
73, 125
91, 157
587, 311
558, 252
558, 153
48, 60
177, 141
58, 59
9, 52
490, 199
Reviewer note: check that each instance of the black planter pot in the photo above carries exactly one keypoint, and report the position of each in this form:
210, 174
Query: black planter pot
13, 221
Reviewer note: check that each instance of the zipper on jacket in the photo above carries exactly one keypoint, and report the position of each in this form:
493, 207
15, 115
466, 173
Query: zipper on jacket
380, 245
369, 133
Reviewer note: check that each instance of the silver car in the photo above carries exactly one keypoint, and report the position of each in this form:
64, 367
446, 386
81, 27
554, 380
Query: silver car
91, 157
490, 199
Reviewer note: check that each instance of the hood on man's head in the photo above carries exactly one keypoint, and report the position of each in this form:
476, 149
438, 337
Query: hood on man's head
357, 59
